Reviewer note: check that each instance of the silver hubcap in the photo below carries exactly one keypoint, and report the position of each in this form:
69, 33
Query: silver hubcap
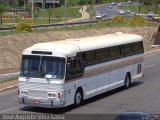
127, 82
78, 98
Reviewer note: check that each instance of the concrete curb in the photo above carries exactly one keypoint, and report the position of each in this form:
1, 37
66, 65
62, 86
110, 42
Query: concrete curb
153, 51
8, 88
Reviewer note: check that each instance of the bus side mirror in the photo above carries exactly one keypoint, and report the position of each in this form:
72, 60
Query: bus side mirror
69, 67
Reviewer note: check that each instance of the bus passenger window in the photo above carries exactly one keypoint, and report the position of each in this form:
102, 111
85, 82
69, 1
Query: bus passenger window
127, 49
114, 52
102, 55
77, 68
90, 57
138, 47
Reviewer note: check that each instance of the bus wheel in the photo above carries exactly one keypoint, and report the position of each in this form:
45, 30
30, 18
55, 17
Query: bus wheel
127, 82
78, 98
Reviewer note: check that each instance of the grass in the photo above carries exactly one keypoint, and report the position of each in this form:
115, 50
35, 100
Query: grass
72, 12
99, 25
42, 16
10, 79
143, 9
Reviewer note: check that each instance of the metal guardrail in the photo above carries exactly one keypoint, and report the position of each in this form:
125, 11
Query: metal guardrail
60, 25
10, 29
52, 26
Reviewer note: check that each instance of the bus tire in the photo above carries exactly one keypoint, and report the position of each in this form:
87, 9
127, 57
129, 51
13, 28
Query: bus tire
127, 82
78, 98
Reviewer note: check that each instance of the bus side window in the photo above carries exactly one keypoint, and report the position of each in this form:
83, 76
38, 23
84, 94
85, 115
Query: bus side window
75, 70
114, 52
102, 54
90, 57
138, 47
77, 67
127, 49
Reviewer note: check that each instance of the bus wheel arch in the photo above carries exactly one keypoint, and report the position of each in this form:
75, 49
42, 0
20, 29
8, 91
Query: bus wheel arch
127, 82
78, 98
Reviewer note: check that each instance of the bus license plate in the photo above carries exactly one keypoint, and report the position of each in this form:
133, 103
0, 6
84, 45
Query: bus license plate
35, 102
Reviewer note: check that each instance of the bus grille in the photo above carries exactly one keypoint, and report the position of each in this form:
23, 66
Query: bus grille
39, 90
39, 86
37, 94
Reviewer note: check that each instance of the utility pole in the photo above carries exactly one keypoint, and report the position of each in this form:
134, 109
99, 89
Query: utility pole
92, 10
137, 5
65, 13
53, 10
44, 7
32, 10
24, 5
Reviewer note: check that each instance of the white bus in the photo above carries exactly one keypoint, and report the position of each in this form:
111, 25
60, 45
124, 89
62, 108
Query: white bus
61, 73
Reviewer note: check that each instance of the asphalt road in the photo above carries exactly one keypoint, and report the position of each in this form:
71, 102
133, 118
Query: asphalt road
114, 11
143, 96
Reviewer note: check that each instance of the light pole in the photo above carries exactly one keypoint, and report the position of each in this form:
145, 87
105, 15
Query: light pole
65, 13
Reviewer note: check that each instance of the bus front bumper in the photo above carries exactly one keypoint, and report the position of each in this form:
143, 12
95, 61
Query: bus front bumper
41, 102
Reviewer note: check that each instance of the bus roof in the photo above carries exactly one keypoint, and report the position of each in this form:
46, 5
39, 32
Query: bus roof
70, 47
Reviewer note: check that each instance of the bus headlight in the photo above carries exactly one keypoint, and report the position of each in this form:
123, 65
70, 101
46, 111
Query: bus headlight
51, 94
23, 92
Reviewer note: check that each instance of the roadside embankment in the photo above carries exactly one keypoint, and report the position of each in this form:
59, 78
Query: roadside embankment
11, 46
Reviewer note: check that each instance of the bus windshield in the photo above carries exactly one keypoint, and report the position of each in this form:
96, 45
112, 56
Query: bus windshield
41, 67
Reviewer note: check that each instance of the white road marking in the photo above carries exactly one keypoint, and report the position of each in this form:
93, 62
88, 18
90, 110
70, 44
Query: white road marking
149, 66
7, 110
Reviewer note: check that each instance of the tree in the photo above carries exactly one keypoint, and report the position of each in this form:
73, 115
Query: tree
85, 2
2, 10
140, 2
156, 3
62, 2
148, 3
98, 1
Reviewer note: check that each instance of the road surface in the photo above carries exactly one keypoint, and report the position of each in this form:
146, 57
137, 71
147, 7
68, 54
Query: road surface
143, 96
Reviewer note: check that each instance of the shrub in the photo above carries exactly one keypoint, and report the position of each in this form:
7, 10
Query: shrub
17, 19
138, 21
24, 27
118, 19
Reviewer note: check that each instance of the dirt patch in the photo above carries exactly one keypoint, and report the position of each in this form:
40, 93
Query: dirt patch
11, 46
